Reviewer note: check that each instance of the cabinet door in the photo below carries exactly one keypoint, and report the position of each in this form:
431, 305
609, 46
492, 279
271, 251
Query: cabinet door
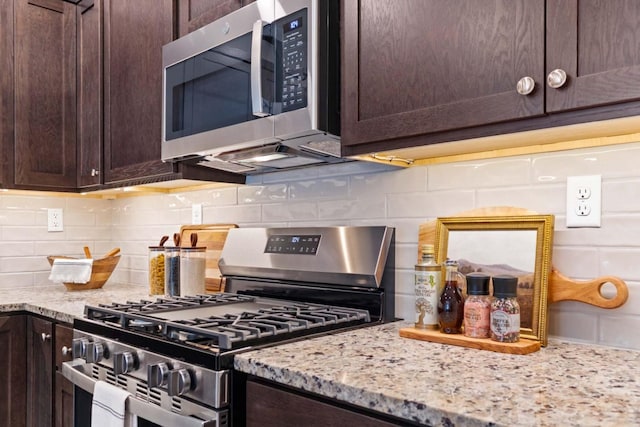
45, 94
597, 44
63, 387
13, 391
412, 67
269, 406
90, 94
39, 372
6, 86
135, 32
193, 14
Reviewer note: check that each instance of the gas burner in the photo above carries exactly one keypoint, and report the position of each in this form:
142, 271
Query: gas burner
264, 325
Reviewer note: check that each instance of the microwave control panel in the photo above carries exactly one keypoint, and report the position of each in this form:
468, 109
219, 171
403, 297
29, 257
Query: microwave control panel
294, 61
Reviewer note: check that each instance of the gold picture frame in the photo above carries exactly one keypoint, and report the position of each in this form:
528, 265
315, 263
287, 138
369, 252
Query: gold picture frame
518, 245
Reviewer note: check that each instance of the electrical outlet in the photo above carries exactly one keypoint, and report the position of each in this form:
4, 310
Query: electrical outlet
54, 220
584, 201
196, 214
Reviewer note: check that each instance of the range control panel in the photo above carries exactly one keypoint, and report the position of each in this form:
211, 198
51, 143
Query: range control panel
293, 244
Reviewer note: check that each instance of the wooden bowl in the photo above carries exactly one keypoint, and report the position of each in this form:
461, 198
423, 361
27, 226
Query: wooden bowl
100, 272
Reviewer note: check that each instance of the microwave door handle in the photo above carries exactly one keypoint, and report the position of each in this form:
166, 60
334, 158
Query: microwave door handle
148, 411
256, 70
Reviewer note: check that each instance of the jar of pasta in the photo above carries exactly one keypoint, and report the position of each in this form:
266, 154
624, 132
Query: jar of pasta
156, 270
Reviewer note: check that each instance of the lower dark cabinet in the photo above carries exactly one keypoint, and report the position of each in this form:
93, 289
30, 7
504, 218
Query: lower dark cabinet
13, 369
272, 406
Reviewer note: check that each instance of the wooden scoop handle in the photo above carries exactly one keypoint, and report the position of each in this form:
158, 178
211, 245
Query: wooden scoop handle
561, 288
112, 252
87, 252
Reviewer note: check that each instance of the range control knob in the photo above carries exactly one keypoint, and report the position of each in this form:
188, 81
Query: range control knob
95, 352
124, 362
157, 374
179, 382
79, 348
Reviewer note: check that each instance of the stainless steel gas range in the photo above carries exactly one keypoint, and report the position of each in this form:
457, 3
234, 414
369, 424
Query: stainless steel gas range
175, 355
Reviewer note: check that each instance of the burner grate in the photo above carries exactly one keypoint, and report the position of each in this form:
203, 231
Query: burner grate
263, 325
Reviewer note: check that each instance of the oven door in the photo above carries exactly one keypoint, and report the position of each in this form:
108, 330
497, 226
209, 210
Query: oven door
147, 414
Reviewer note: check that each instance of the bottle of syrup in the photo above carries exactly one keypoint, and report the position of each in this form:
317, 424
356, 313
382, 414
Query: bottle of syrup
451, 303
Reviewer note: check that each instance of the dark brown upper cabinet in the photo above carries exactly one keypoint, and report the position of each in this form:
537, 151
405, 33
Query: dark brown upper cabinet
90, 97
421, 72
597, 45
416, 67
6, 89
42, 152
193, 14
134, 33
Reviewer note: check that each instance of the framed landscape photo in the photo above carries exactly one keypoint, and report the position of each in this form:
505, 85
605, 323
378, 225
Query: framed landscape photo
516, 245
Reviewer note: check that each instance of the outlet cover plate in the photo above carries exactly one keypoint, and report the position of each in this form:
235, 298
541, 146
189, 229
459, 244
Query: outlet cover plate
584, 201
196, 214
54, 220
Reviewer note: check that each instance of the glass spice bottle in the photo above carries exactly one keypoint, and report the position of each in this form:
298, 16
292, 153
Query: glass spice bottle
477, 306
505, 310
451, 302
428, 282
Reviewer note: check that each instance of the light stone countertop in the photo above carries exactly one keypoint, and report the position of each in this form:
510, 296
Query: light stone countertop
563, 384
56, 302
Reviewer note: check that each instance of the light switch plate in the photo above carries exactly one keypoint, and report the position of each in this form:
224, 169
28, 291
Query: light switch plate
54, 220
196, 214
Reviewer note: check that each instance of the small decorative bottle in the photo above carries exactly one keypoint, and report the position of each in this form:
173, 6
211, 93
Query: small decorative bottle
477, 306
451, 302
505, 310
428, 279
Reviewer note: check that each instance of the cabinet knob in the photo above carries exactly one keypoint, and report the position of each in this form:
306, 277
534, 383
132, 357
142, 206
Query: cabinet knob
95, 172
525, 85
65, 350
45, 337
557, 78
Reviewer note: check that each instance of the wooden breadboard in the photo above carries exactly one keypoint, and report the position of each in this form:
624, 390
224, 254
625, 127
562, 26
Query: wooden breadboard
212, 236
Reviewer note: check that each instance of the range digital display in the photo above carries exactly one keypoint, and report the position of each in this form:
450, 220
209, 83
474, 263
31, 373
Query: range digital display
293, 244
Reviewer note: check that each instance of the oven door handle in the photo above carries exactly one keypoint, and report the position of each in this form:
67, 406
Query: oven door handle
135, 406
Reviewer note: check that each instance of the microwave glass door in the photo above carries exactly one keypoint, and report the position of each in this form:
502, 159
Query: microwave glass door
212, 90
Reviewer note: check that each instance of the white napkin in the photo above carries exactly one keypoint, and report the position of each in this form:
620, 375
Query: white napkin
71, 270
108, 408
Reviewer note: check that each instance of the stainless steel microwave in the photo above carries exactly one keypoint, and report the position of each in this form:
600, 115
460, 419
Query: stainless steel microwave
257, 90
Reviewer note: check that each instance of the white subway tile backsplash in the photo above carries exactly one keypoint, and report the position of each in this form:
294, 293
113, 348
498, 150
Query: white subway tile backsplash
611, 161
294, 211
548, 199
480, 174
434, 204
614, 331
335, 188
364, 194
354, 209
262, 193
578, 326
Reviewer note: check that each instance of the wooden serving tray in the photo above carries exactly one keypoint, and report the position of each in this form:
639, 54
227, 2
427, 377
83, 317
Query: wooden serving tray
524, 346
212, 236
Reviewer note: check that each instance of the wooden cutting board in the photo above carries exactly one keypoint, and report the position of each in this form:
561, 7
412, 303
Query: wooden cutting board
212, 236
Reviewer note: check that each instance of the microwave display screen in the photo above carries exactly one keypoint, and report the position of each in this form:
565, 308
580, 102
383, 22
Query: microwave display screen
293, 25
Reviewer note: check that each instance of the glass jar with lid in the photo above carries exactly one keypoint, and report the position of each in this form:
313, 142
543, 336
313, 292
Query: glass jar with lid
192, 270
